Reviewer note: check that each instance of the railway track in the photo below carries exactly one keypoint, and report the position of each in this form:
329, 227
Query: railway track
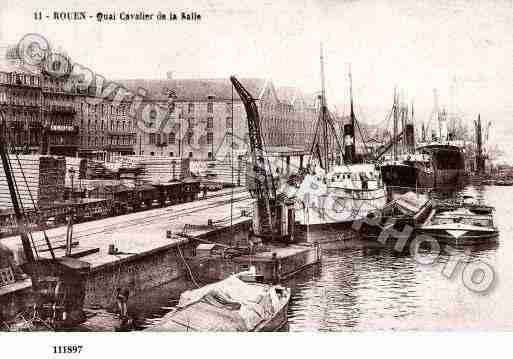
163, 215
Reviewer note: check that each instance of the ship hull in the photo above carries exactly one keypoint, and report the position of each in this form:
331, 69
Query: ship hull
339, 207
407, 176
448, 163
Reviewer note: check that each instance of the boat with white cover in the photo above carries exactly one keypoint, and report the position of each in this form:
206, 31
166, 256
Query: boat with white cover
233, 304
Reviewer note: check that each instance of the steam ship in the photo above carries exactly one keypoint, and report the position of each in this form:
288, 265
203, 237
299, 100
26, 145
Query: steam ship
436, 164
339, 188
406, 168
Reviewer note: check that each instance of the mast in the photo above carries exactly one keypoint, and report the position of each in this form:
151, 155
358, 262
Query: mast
324, 113
404, 115
325, 140
479, 142
349, 139
352, 149
413, 128
395, 124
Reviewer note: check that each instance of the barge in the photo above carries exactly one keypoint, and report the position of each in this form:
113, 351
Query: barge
233, 305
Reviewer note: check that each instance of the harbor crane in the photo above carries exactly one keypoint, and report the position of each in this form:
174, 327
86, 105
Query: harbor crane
273, 218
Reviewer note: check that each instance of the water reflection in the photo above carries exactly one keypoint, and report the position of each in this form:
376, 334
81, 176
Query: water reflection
365, 286
378, 288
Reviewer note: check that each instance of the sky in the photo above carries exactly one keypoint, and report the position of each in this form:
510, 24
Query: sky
464, 49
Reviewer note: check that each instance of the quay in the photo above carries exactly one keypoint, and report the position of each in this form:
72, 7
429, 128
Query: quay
144, 250
145, 257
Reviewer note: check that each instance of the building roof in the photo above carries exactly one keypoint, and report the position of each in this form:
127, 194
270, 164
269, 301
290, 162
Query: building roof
193, 89
288, 94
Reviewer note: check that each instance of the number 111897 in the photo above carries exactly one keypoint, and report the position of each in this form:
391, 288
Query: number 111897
67, 349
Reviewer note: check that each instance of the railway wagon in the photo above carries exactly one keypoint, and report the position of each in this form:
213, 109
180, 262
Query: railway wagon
83, 209
103, 202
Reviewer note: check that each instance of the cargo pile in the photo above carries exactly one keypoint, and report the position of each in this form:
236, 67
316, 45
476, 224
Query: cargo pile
156, 169
98, 170
39, 180
74, 164
220, 171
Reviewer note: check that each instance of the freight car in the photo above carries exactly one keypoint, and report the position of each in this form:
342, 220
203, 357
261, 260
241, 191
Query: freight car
105, 201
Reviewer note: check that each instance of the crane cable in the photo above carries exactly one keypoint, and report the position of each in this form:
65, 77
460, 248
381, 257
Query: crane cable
18, 195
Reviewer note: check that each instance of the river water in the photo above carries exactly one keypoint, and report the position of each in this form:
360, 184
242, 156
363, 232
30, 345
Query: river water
368, 287
378, 288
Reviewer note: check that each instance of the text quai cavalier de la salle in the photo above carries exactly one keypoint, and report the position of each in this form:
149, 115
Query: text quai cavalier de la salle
127, 16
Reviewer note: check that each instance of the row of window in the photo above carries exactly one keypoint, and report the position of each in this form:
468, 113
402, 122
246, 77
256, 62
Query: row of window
94, 141
270, 107
210, 107
172, 154
19, 79
61, 140
163, 139
21, 137
19, 97
22, 116
104, 109
95, 124
191, 123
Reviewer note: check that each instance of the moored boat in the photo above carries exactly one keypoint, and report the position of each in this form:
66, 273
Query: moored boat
411, 172
460, 226
406, 168
342, 188
235, 304
448, 161
410, 209
347, 193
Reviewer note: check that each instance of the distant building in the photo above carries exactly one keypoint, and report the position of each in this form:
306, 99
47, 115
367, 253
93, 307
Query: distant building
50, 115
20, 104
60, 136
55, 116
201, 116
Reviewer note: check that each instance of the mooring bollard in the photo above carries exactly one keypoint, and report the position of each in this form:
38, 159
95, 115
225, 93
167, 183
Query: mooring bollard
112, 249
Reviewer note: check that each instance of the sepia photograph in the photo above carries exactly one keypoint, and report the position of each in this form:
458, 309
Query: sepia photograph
239, 166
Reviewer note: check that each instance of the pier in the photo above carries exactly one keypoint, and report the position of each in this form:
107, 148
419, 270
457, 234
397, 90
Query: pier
144, 257
143, 250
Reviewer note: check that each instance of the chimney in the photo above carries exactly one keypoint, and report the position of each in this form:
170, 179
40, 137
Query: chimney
169, 75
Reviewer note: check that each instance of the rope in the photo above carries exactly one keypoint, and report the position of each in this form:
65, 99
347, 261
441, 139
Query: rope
187, 266
118, 277
361, 135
